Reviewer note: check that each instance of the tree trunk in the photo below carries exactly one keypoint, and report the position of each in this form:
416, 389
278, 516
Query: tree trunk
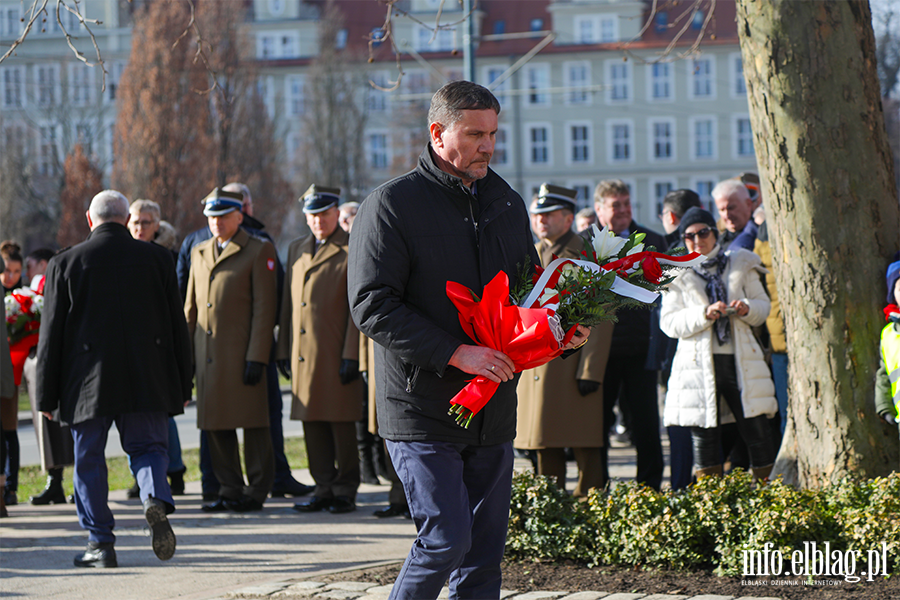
834, 219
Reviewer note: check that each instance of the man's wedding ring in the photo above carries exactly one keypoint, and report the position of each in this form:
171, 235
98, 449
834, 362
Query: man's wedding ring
492, 368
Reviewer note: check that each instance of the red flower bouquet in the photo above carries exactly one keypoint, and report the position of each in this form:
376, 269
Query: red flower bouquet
23, 320
532, 322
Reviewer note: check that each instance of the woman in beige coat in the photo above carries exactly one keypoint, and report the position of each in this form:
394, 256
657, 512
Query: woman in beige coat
231, 309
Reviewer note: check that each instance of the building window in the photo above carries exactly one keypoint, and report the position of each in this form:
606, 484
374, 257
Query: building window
501, 148
491, 75
13, 82
113, 79
596, 29
738, 83
621, 141
10, 22
584, 193
378, 151
537, 24
704, 138
376, 97
538, 77
47, 84
578, 79
702, 78
580, 143
660, 81
618, 81
273, 45
660, 189
340, 40
704, 186
743, 137
499, 27
442, 40
84, 135
276, 7
539, 144
662, 139
296, 95
48, 158
81, 79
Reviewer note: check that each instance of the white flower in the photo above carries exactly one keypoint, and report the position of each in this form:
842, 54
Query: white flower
12, 306
568, 272
637, 248
37, 306
606, 243
548, 295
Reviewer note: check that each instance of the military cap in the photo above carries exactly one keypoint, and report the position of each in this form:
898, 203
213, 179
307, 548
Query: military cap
320, 198
221, 202
554, 197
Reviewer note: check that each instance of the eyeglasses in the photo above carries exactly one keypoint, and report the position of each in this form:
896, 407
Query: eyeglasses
702, 234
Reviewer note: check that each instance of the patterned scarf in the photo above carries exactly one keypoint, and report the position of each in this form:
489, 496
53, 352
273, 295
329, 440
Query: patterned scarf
715, 289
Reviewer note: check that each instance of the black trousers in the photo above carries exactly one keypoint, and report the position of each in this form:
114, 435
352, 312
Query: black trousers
754, 431
627, 380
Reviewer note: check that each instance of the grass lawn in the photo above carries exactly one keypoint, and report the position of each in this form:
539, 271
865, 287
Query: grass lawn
32, 479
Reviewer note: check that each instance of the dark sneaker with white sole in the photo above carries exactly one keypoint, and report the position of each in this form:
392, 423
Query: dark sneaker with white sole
162, 538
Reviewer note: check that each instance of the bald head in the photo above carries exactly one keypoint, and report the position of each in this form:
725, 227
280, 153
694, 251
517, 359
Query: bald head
109, 206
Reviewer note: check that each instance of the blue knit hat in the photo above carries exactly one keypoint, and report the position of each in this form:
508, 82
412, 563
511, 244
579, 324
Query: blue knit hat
893, 273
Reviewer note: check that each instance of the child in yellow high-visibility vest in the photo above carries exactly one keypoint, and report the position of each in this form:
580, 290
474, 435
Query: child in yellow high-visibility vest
887, 378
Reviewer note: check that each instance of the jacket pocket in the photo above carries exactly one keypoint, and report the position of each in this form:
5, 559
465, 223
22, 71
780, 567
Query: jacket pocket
412, 375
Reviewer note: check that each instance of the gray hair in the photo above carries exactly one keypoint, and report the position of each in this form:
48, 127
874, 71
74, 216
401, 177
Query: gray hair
448, 102
166, 236
141, 206
241, 188
586, 213
109, 206
731, 188
349, 205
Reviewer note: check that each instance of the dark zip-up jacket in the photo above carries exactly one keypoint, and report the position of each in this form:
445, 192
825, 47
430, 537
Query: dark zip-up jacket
411, 236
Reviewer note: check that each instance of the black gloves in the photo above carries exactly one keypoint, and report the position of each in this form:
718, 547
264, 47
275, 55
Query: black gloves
585, 386
887, 417
253, 372
284, 367
349, 371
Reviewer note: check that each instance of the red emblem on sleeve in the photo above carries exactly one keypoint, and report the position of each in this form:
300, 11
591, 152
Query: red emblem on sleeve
271, 264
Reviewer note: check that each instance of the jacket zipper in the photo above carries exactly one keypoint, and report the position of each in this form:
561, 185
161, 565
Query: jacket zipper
470, 197
411, 379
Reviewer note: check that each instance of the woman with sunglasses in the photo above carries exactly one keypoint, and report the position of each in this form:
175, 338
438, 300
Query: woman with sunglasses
719, 374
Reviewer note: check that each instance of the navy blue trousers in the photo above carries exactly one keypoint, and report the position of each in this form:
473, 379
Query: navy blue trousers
459, 499
145, 438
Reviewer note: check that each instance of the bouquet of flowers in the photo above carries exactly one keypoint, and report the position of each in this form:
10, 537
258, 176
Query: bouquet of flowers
23, 320
534, 319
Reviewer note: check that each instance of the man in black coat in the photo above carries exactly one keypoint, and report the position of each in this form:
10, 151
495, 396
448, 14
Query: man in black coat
450, 219
114, 347
627, 377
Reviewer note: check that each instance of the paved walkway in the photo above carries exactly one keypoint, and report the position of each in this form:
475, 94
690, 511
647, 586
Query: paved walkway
276, 553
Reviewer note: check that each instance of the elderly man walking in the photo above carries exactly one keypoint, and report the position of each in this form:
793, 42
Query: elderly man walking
98, 364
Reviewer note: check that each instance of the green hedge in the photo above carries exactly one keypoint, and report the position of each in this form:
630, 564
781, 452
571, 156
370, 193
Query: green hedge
707, 526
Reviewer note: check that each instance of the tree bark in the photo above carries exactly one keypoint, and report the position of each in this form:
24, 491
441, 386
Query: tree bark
834, 219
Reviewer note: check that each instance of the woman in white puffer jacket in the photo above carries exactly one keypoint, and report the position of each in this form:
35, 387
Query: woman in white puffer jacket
710, 309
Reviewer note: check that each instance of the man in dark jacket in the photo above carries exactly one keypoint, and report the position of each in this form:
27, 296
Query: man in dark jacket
450, 219
627, 378
114, 347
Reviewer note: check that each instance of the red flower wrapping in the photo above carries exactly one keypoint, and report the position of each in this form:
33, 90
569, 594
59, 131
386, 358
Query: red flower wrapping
19, 352
523, 334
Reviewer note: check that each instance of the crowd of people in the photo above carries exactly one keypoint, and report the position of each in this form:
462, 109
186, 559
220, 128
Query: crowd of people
374, 351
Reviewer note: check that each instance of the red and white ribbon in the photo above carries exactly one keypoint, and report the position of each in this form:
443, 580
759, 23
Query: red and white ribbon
551, 274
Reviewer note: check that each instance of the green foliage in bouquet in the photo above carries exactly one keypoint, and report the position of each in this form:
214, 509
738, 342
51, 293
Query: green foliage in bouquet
706, 526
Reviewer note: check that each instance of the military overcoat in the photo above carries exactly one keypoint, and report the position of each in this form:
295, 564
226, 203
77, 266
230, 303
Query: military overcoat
317, 332
551, 411
231, 310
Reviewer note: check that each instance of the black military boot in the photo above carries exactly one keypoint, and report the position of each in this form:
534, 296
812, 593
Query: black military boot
53, 492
